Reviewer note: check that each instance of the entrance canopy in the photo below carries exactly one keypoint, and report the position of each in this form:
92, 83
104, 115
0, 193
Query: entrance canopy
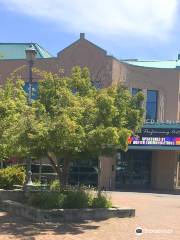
157, 136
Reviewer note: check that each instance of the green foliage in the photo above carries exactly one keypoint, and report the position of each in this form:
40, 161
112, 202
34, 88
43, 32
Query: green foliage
13, 106
101, 201
73, 198
76, 116
46, 200
78, 198
69, 117
11, 176
36, 183
55, 186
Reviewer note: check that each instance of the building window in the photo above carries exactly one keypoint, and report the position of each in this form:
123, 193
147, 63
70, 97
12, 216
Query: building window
151, 104
135, 91
34, 89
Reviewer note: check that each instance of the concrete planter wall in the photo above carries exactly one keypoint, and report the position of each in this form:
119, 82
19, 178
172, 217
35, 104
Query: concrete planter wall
14, 195
64, 215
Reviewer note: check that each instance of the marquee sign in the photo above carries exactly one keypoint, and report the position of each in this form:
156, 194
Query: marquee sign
161, 141
160, 132
156, 136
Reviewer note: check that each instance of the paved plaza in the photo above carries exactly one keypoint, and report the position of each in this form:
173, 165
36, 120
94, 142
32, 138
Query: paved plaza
157, 214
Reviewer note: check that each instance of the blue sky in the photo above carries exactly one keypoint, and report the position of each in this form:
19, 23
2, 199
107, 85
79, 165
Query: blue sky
144, 29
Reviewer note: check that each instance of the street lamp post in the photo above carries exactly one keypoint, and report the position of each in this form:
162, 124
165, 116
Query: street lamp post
30, 56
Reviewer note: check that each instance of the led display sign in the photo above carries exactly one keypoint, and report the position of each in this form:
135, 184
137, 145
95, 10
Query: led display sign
163, 141
156, 137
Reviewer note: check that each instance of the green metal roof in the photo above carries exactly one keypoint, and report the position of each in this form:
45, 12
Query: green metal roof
17, 51
170, 64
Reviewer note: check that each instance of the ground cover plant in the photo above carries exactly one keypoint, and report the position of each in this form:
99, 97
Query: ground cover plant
69, 198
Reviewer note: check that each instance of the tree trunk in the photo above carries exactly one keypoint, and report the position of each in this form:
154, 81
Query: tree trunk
1, 164
40, 169
62, 171
56, 166
65, 172
99, 176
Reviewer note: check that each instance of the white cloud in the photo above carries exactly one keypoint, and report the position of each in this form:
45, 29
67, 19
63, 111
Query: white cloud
153, 18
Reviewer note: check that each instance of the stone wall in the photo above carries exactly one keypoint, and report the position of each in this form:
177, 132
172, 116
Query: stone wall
64, 215
14, 195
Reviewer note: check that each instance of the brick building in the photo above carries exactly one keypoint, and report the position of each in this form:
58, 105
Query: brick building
153, 159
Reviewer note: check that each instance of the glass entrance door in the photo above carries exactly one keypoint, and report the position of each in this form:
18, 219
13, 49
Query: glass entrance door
133, 169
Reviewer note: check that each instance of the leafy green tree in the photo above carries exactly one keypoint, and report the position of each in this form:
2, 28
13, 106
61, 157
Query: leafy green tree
74, 117
13, 105
16, 120
69, 117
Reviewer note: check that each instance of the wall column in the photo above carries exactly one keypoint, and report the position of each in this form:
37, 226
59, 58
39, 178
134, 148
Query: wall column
163, 172
107, 172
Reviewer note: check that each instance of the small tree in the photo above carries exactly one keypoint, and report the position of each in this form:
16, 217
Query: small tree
73, 117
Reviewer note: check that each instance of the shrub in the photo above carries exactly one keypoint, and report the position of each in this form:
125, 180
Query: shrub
101, 201
78, 198
11, 176
69, 198
55, 186
47, 200
36, 183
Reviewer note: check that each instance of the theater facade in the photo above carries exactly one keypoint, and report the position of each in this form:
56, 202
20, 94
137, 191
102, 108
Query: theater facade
153, 157
152, 161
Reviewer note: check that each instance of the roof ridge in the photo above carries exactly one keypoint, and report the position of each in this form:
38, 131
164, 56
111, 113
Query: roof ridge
43, 49
137, 60
81, 39
17, 50
17, 43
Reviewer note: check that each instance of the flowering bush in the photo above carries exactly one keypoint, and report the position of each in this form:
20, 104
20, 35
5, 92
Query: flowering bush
11, 176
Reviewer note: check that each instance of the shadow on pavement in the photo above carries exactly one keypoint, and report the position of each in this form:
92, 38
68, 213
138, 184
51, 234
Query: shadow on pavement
24, 229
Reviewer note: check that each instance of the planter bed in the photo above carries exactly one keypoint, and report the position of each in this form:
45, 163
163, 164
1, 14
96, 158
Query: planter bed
64, 215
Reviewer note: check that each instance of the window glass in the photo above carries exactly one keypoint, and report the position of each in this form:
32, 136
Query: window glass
34, 168
133, 169
84, 171
47, 169
34, 89
151, 104
135, 91
151, 96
